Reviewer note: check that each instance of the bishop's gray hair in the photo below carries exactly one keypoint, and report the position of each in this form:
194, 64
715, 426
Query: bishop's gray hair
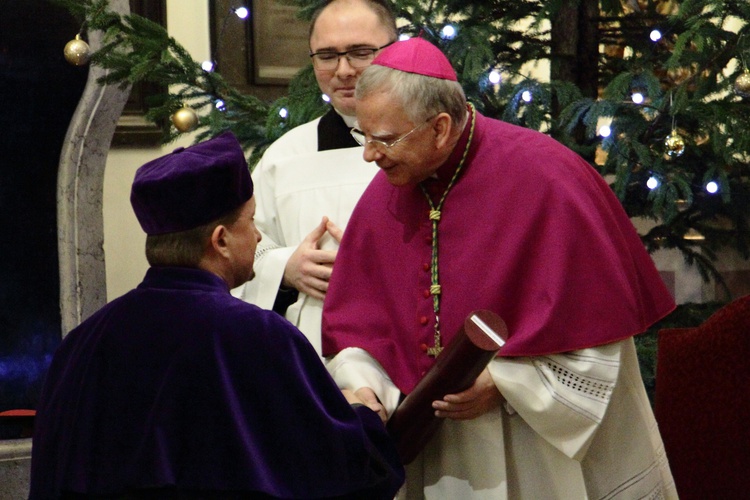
421, 97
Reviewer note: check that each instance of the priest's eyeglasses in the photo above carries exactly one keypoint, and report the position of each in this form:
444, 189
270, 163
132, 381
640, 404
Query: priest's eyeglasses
361, 57
359, 136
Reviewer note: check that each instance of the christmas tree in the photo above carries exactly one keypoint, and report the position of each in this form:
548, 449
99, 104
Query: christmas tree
655, 94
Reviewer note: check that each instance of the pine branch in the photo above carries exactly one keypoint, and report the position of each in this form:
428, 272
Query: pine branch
687, 79
138, 50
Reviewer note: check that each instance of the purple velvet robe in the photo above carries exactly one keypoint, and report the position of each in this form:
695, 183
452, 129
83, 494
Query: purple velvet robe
529, 231
178, 384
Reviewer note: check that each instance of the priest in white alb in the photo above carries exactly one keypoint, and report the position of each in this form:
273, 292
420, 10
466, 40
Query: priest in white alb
309, 180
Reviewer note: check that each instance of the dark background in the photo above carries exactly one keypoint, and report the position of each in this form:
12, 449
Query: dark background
39, 92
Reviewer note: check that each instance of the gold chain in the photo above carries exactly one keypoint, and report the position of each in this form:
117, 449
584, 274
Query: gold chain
435, 289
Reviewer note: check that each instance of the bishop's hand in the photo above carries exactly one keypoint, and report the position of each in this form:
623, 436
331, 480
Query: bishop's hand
475, 401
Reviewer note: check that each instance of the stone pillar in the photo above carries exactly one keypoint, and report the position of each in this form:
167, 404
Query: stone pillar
15, 461
80, 225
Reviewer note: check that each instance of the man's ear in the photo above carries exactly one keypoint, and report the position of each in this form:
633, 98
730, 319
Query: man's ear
443, 126
218, 241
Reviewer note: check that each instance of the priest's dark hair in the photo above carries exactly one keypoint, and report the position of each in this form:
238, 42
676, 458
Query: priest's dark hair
382, 8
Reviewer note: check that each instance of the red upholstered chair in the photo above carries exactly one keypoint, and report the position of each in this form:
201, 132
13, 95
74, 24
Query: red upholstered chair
702, 403
15, 424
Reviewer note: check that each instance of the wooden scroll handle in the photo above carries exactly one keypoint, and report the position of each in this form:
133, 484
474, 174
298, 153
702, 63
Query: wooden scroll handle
413, 422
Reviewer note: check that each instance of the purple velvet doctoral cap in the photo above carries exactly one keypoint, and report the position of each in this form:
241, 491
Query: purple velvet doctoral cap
191, 186
416, 55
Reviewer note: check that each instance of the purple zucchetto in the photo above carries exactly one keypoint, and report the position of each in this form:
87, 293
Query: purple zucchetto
191, 186
416, 55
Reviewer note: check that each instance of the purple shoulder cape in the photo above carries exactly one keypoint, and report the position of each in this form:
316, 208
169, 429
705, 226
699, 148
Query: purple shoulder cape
178, 384
530, 231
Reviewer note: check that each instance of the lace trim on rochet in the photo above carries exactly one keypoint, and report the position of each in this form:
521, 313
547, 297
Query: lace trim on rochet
261, 252
586, 386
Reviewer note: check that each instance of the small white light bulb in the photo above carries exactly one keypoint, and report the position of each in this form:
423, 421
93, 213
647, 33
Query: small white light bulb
208, 66
712, 187
652, 182
448, 32
326, 98
403, 37
283, 112
526, 96
655, 35
220, 105
242, 12
494, 77
605, 131
637, 97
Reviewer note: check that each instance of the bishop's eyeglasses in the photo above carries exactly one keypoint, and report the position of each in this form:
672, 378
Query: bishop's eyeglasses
328, 60
359, 136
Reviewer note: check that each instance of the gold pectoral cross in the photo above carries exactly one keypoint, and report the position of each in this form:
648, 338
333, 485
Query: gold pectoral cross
437, 347
434, 351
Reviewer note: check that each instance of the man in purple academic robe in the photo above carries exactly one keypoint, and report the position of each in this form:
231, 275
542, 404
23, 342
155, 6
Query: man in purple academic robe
179, 390
472, 213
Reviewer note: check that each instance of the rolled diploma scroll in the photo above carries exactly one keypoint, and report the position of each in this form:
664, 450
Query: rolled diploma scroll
413, 422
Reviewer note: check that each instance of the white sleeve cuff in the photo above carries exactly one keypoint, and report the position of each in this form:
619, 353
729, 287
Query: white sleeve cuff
354, 368
562, 397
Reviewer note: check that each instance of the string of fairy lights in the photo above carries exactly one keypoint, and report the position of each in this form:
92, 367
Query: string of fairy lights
78, 52
185, 119
674, 143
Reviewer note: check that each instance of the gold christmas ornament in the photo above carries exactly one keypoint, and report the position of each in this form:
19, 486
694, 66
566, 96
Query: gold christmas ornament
675, 144
682, 205
77, 51
185, 119
742, 84
693, 235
